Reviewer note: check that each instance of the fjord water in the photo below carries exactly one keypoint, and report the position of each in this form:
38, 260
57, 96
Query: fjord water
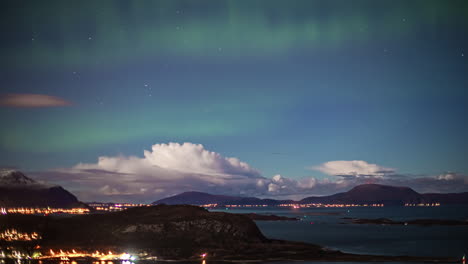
325, 226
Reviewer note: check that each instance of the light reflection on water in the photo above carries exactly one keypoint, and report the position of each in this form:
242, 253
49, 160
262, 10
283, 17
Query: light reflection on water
99, 262
11, 261
36, 261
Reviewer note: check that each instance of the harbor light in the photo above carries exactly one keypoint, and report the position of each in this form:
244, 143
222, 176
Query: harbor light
126, 256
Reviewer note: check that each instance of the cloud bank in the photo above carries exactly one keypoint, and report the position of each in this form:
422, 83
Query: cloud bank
172, 168
32, 100
357, 168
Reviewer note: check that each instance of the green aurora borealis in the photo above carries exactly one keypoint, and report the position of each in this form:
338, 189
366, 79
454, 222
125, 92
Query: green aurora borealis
383, 81
126, 31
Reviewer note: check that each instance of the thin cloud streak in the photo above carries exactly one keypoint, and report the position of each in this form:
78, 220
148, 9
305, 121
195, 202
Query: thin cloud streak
32, 101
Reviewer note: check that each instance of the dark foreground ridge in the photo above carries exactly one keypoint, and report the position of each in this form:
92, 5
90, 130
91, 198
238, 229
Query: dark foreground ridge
180, 232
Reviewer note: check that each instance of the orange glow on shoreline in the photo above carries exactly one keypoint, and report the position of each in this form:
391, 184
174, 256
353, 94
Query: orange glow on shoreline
44, 211
15, 235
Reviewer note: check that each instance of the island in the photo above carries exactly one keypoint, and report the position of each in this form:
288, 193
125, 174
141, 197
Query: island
263, 217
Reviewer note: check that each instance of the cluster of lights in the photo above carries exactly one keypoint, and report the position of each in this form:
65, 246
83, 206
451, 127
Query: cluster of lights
246, 205
73, 254
297, 206
423, 204
43, 211
70, 255
111, 207
15, 235
213, 205
16, 254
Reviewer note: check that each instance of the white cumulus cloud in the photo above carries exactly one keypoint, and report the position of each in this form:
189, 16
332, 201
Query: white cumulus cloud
165, 170
194, 158
447, 176
357, 168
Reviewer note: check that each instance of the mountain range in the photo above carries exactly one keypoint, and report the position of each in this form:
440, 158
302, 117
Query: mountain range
361, 194
17, 190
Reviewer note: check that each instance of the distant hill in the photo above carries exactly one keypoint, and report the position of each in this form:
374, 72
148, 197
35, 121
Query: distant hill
17, 190
361, 194
258, 201
200, 198
196, 198
371, 193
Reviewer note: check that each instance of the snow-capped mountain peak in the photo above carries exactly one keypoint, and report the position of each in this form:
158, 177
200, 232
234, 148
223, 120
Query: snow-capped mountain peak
14, 177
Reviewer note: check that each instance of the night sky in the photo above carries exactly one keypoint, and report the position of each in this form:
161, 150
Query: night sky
310, 97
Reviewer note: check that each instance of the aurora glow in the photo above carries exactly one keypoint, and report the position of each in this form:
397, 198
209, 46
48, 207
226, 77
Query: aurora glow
315, 81
77, 34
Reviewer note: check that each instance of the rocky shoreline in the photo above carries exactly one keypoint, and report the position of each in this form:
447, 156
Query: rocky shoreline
279, 250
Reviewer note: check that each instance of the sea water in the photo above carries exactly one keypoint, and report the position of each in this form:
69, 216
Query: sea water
326, 227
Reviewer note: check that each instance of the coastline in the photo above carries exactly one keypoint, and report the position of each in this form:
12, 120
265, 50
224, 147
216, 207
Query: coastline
175, 234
